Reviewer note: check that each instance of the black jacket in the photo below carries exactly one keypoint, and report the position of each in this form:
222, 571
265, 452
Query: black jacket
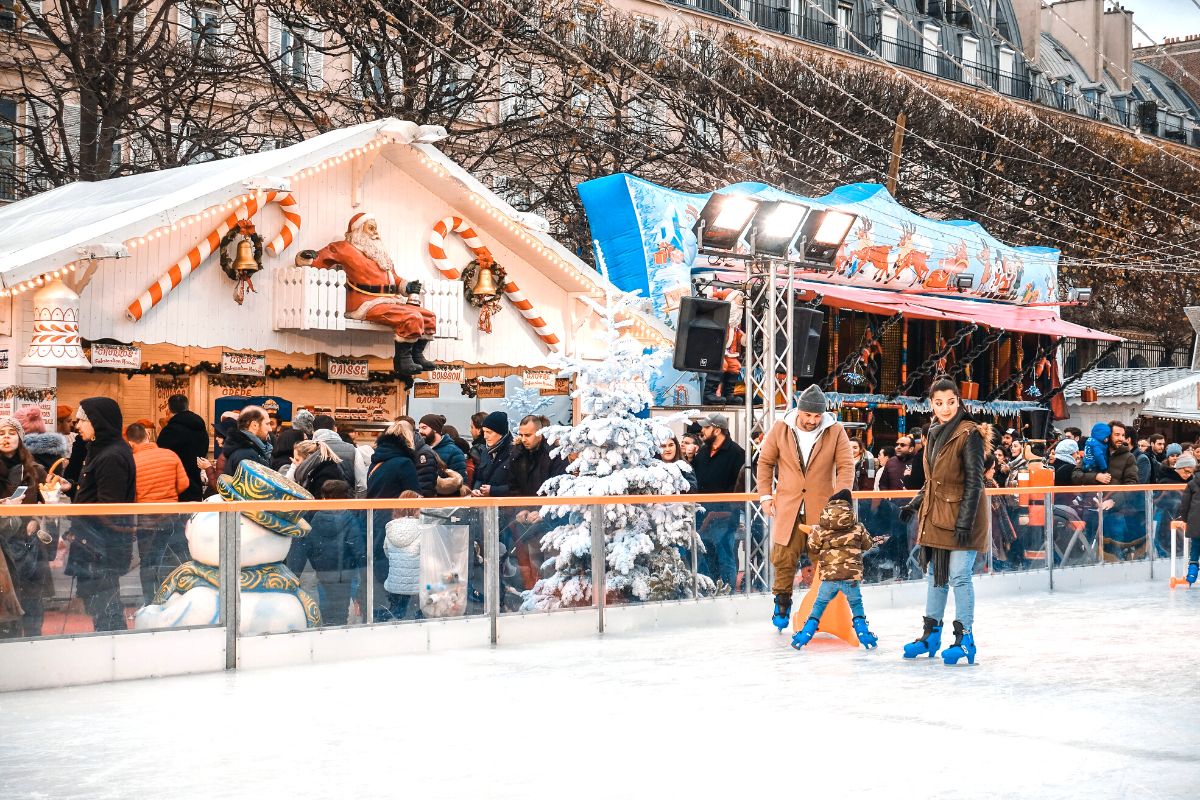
1189, 507
238, 446
529, 469
103, 545
316, 475
722, 472
494, 466
186, 435
426, 462
1064, 472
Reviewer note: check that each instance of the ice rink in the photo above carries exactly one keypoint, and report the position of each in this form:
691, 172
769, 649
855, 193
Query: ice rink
1089, 694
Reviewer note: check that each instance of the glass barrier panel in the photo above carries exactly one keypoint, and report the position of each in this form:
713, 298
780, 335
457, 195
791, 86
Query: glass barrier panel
429, 563
545, 558
1165, 504
80, 574
330, 560
893, 556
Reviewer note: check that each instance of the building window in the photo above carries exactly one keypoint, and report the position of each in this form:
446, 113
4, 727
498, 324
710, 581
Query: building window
206, 26
889, 27
8, 149
930, 34
845, 16
8, 15
1008, 66
970, 60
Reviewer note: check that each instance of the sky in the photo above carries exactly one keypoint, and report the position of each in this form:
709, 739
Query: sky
1162, 18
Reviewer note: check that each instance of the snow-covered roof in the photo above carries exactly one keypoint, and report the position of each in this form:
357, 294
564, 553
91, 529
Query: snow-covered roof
46, 232
1141, 383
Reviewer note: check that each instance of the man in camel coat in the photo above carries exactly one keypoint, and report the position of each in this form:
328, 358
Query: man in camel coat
805, 458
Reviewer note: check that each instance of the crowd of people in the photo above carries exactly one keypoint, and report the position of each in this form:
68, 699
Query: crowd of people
97, 458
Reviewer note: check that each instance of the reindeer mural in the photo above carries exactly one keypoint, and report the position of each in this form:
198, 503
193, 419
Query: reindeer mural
870, 253
909, 258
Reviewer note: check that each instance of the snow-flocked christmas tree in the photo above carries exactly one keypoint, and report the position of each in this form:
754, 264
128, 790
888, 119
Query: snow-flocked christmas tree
616, 453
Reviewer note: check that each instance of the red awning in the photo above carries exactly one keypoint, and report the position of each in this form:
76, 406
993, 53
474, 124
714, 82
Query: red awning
1010, 317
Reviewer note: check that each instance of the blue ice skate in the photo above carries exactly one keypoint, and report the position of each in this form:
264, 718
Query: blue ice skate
964, 645
783, 611
930, 641
865, 637
1193, 568
805, 634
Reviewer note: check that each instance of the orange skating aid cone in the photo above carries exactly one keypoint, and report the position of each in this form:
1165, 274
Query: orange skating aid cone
836, 620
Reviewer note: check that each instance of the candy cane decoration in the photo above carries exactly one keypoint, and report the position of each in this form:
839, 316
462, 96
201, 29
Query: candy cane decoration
196, 256
437, 253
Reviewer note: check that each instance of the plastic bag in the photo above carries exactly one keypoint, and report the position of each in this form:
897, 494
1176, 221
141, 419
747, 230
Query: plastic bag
444, 570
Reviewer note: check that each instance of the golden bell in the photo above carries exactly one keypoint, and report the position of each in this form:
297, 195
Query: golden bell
485, 283
245, 257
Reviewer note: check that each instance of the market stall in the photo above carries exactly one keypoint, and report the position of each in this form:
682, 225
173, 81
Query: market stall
331, 274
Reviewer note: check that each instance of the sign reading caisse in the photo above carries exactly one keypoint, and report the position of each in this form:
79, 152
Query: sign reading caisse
347, 369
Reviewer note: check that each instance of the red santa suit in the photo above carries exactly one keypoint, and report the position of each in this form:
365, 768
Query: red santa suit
374, 291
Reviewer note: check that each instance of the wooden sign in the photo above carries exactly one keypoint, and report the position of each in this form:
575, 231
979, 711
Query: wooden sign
448, 375
490, 390
427, 391
538, 379
116, 356
562, 388
347, 369
243, 364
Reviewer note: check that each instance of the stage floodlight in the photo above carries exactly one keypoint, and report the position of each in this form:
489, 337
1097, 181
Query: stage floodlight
964, 281
1080, 296
724, 220
824, 232
777, 227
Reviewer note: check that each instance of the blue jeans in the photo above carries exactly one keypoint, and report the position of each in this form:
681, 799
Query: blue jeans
718, 533
1193, 549
829, 589
962, 562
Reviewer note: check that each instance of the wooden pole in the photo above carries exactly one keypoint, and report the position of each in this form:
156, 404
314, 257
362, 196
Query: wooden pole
893, 177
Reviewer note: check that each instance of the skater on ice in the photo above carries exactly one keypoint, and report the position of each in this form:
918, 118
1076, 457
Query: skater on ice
952, 527
838, 543
1189, 512
808, 451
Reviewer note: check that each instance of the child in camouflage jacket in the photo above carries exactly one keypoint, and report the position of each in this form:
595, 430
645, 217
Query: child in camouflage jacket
838, 543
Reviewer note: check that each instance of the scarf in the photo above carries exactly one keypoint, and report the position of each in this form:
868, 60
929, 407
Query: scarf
304, 468
263, 447
262, 578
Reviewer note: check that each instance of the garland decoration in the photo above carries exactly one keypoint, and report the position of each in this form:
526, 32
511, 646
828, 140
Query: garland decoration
176, 369
28, 395
488, 304
236, 381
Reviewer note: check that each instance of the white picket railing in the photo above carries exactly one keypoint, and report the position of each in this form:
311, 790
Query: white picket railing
307, 298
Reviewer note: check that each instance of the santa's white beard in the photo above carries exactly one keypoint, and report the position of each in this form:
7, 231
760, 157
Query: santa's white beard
371, 247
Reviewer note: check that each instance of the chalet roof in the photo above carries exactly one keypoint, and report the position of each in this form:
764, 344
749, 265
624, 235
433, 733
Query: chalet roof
1135, 382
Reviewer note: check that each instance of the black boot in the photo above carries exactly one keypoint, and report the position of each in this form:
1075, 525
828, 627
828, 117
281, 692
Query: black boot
418, 354
711, 384
728, 381
930, 641
402, 361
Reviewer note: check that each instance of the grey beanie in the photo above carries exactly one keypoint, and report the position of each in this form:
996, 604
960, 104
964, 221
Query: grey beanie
812, 400
302, 421
1186, 461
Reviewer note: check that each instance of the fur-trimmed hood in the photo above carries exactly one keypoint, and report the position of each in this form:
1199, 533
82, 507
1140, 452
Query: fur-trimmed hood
988, 432
54, 445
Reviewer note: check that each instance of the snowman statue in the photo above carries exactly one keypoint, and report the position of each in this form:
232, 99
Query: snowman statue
271, 598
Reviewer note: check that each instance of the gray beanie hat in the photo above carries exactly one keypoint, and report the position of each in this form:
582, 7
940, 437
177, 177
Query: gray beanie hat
302, 421
1186, 461
813, 401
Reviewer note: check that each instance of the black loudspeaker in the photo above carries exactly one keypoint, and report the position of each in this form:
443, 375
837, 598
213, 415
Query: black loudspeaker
1148, 117
700, 340
807, 325
1036, 423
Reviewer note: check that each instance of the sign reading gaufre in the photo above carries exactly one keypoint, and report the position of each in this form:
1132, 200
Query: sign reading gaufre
243, 364
116, 356
348, 369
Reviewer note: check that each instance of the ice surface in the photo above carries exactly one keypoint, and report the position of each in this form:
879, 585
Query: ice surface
1092, 694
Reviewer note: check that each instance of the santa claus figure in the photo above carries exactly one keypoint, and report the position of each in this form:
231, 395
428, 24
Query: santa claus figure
375, 292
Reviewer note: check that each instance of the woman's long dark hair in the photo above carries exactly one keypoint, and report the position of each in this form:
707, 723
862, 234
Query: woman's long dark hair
28, 467
944, 383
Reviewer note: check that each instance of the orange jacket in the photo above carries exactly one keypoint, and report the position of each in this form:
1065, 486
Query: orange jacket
160, 475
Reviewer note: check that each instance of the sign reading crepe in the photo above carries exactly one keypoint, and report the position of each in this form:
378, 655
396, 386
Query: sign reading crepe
348, 369
243, 364
116, 356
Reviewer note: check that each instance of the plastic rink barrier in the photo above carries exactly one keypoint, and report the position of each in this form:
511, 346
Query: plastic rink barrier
837, 620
